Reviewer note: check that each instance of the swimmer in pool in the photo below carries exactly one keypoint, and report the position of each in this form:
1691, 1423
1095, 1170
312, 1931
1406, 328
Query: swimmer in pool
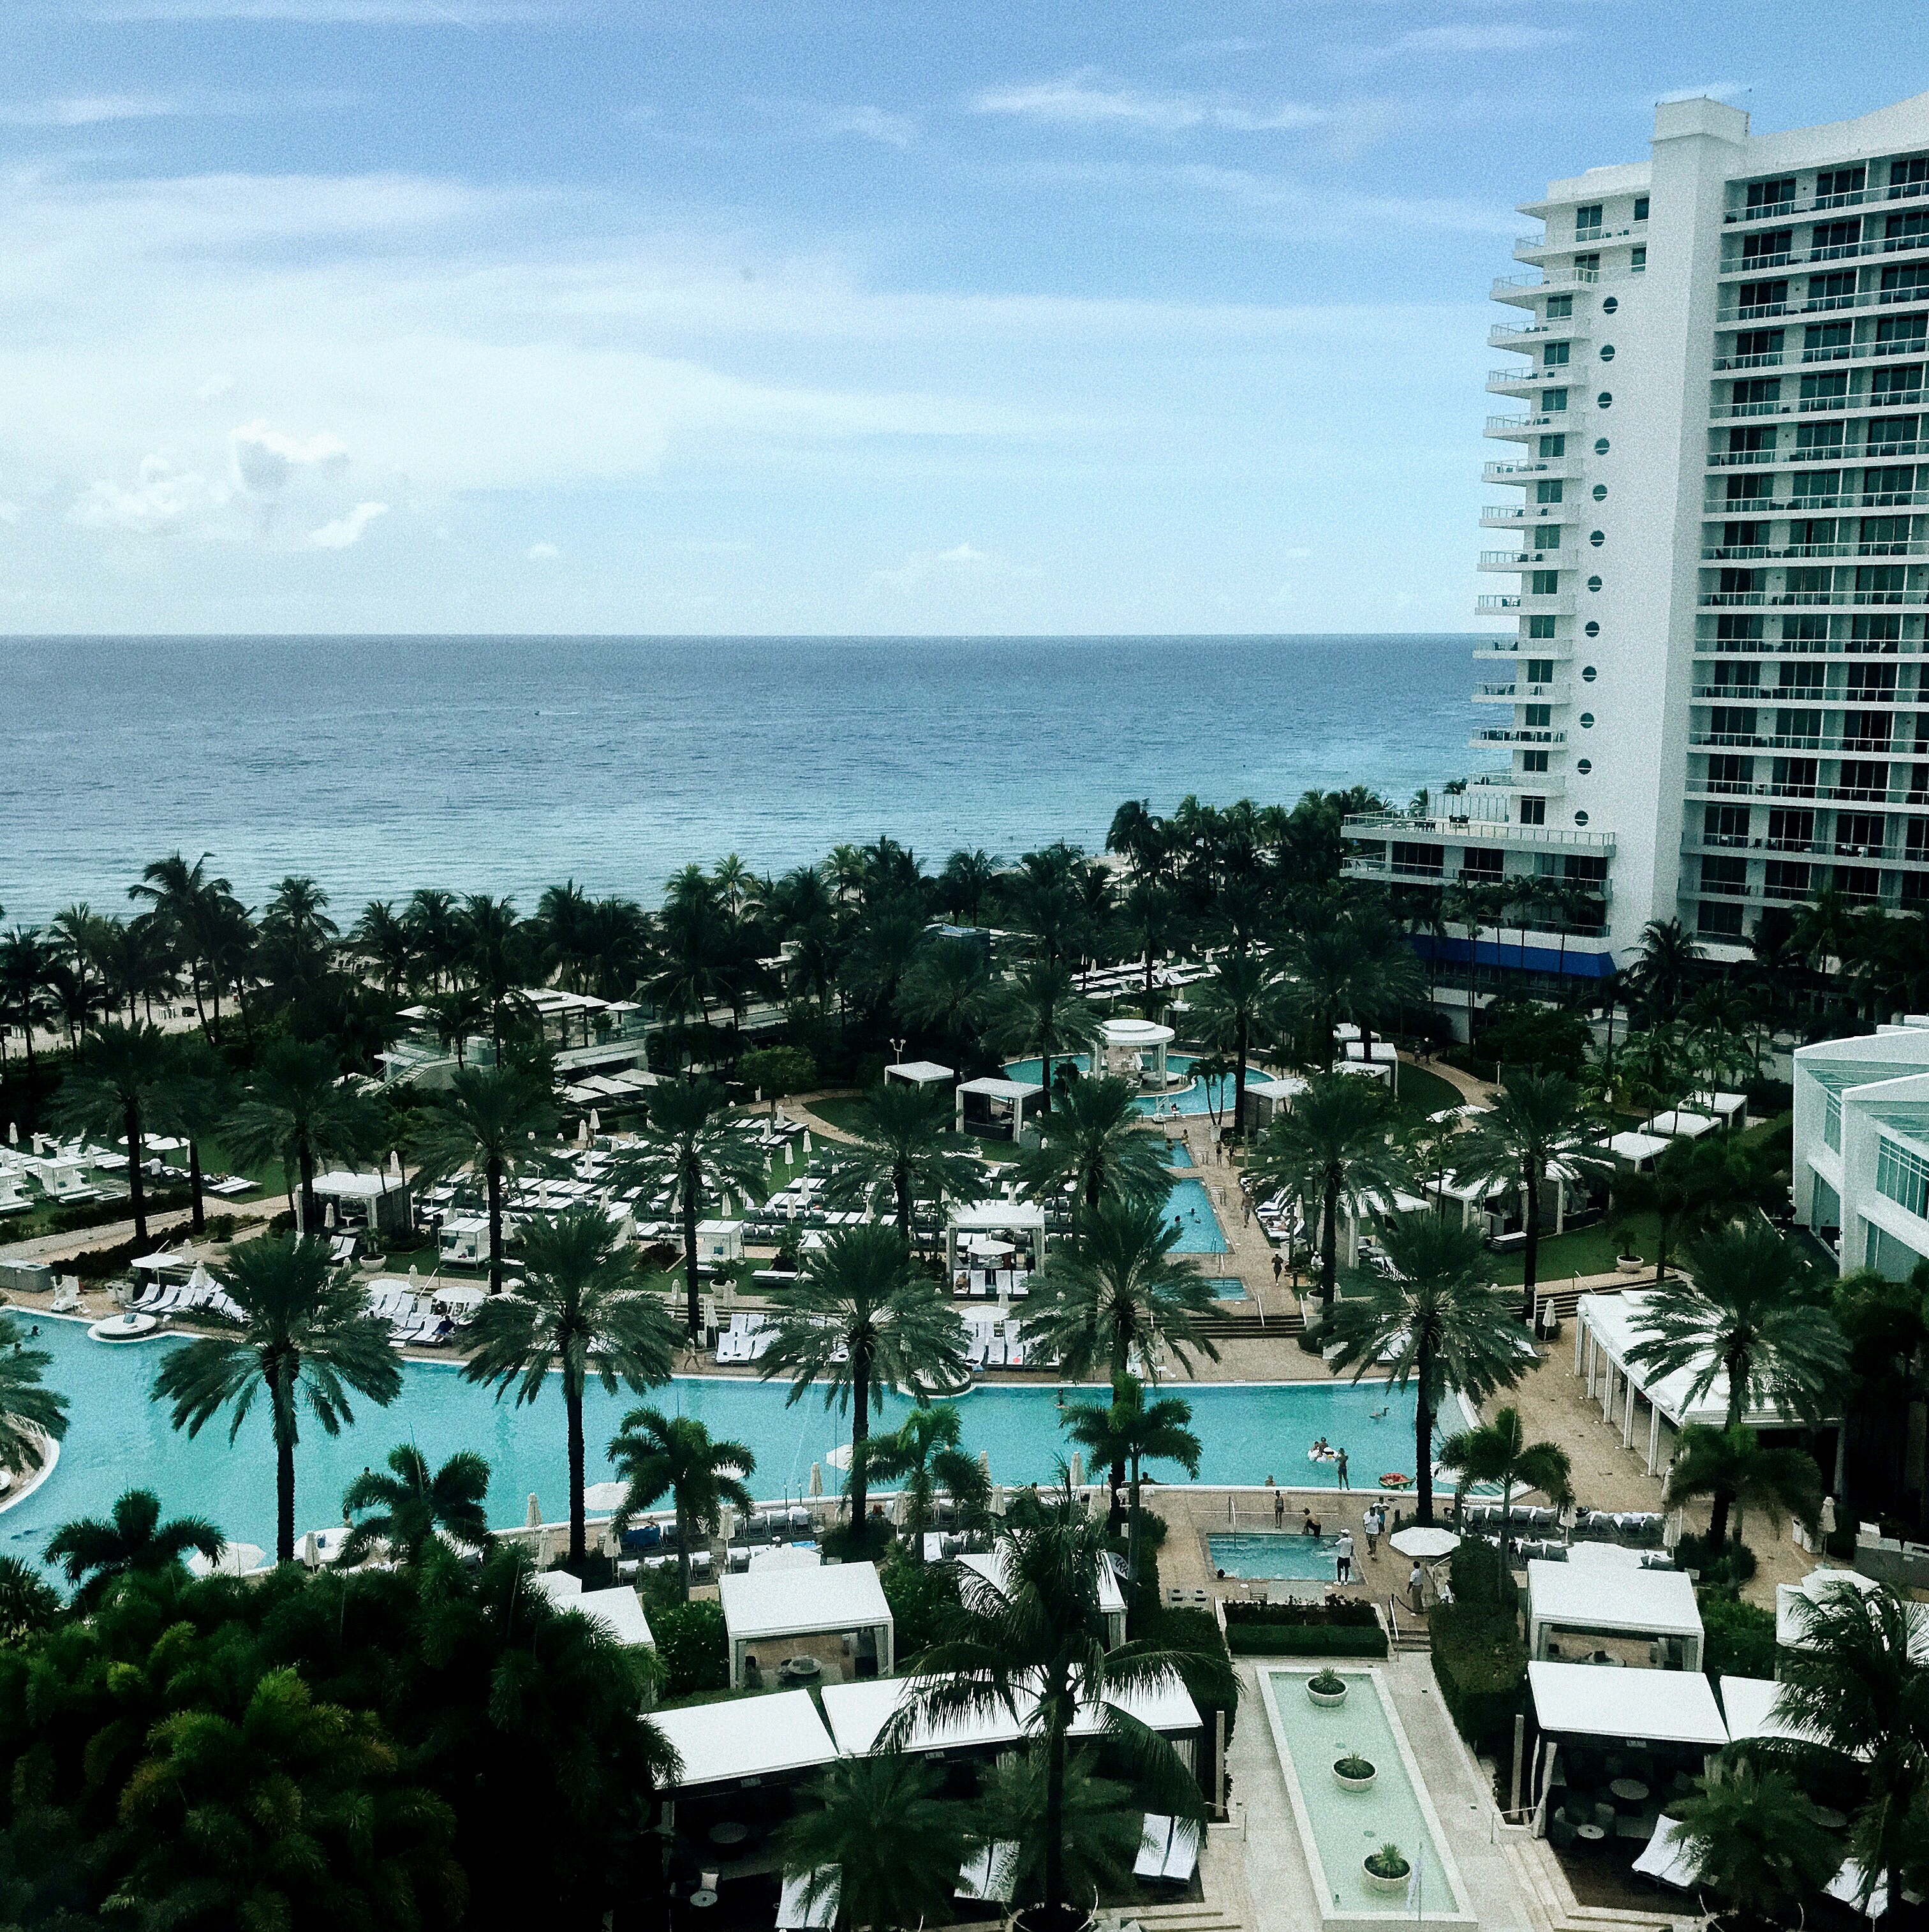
1379, 1414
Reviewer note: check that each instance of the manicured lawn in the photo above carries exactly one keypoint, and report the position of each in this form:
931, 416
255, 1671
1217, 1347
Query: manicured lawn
1589, 1250
846, 1110
1422, 1092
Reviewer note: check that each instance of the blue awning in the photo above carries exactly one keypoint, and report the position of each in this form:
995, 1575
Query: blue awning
1575, 964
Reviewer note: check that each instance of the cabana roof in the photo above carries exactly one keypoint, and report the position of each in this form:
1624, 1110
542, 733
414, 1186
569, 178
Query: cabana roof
991, 1568
1635, 1148
1748, 1704
920, 1073
992, 1216
746, 1737
1641, 1602
1681, 1124
858, 1712
998, 1089
760, 1604
1590, 1700
619, 1612
1793, 1602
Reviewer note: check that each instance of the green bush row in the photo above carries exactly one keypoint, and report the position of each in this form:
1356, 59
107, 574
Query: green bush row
1349, 1612
1304, 1640
1480, 1665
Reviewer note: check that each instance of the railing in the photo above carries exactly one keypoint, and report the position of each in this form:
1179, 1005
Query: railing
1497, 601
1811, 599
1397, 825
1834, 251
1833, 455
1871, 401
1850, 500
1746, 553
1516, 425
1507, 558
1771, 694
1548, 466
1768, 359
1861, 647
1561, 278
1522, 693
1508, 734
1838, 794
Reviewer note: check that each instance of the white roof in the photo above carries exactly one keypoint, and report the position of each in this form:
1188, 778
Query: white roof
1282, 1089
1617, 1321
1722, 1105
858, 1712
1749, 1704
1644, 1602
1136, 1032
991, 1568
559, 1587
921, 1073
746, 1737
758, 1604
1001, 1090
1682, 1125
620, 1613
1792, 1601
1636, 1147
994, 1215
358, 1186
1670, 1707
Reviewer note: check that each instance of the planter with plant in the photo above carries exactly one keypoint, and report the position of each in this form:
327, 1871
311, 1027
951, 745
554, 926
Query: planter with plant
1386, 1869
1326, 1687
1355, 1773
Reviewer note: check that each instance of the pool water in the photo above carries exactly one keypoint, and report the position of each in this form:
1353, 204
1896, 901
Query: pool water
1345, 1825
118, 1438
1280, 1556
1200, 1233
1178, 1154
1201, 1097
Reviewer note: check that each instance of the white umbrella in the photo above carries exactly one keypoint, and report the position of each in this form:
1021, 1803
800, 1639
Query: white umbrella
13, 1132
840, 1458
605, 1496
595, 1121
395, 1160
816, 1479
1077, 1470
1424, 1543
328, 1216
583, 1133
534, 1517
236, 1559
998, 1500
311, 1553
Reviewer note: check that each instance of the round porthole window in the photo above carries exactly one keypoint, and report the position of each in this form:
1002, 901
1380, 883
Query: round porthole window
1581, 818
1587, 720
1605, 400
1588, 673
1611, 305
1586, 766
1597, 539
1600, 493
1607, 352
1600, 445
1594, 584
1593, 628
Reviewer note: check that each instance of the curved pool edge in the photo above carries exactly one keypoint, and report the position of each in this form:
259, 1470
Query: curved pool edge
48, 1463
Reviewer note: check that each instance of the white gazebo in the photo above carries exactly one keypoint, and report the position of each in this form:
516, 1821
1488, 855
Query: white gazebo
1570, 1600
746, 1740
376, 1203
1637, 1708
1134, 1050
920, 1073
1607, 1328
1267, 1099
1796, 1602
766, 1606
1111, 1595
1002, 1106
981, 1228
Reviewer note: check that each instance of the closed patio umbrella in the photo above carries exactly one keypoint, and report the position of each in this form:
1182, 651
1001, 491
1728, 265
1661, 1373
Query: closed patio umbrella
534, 1517
816, 1479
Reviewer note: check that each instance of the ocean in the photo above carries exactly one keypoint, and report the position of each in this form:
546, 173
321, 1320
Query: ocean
506, 764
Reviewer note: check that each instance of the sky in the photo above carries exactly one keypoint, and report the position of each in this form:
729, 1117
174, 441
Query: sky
884, 316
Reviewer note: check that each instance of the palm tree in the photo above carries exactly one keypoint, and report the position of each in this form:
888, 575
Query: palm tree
861, 1324
29, 1414
1149, 917
1333, 1149
1029, 1641
947, 991
1855, 1683
582, 1310
1498, 1452
406, 1512
26, 965
1695, 1186
181, 896
1119, 1294
305, 1336
1668, 968
1538, 1127
1754, 1838
1039, 1009
196, 1100
496, 1120
1131, 1430
658, 1455
905, 1151
1751, 1314
1732, 1466
1243, 1006
1433, 1324
1098, 1145
882, 1847
298, 1110
133, 1541
692, 1140
116, 1091
925, 1453
385, 941
1100, 1827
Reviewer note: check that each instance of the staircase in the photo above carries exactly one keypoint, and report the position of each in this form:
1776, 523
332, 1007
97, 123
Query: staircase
1406, 1632
1231, 1321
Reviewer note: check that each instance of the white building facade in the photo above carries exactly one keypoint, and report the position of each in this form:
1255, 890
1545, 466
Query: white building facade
1710, 691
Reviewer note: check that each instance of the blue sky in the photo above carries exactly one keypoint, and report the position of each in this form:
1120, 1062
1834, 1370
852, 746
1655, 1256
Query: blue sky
613, 315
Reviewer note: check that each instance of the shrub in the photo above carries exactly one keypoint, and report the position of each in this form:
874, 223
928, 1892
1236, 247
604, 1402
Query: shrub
1478, 1575
1304, 1640
919, 1595
692, 1648
1329, 1683
1738, 1639
1342, 1612
1545, 1039
778, 1070
1480, 1665
1729, 1571
1389, 1861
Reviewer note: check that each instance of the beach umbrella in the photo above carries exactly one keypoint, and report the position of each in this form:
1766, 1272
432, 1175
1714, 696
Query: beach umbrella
595, 1121
328, 1218
605, 1496
726, 1521
1077, 1470
1423, 1544
395, 1160
816, 1479
807, 1140
582, 1133
534, 1518
13, 1132
985, 1460
840, 1458
998, 1499
311, 1553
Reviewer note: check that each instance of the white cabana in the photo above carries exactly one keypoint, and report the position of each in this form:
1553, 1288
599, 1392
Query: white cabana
1267, 1099
1606, 1329
619, 1611
1749, 1707
1636, 1150
1002, 1106
1794, 1603
1111, 1592
920, 1073
746, 1737
1678, 1124
1631, 1707
1003, 1221
1730, 1109
1573, 1600
1135, 1050
765, 1606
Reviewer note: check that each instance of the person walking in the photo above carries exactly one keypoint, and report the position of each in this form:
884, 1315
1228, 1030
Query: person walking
1340, 1469
1343, 1557
1279, 1509
1372, 1523
1415, 1584
1278, 1266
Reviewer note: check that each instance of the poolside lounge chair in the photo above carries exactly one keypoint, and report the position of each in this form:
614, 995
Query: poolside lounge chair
1168, 1850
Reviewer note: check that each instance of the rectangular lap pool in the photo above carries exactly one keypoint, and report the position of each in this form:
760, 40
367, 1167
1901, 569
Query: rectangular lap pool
1190, 1206
1339, 1827
1275, 1554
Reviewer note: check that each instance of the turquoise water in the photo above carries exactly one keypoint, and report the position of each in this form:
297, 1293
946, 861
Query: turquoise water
1347, 1825
118, 1438
1198, 1231
1178, 1154
1280, 1554
1200, 1098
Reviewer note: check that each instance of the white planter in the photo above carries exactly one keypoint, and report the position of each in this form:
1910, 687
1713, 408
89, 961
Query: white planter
1631, 1265
1376, 1883
1346, 1783
1327, 1697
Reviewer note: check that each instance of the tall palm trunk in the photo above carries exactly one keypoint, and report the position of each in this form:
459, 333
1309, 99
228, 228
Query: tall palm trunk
493, 1176
1531, 1251
572, 1402
136, 1195
1239, 1091
1329, 1244
684, 1528
199, 1221
860, 1436
1132, 1527
1423, 1439
692, 1307
1055, 1829
311, 1208
284, 1468
900, 1185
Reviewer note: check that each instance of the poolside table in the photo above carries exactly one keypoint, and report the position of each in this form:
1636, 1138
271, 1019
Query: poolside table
1629, 1790
731, 1831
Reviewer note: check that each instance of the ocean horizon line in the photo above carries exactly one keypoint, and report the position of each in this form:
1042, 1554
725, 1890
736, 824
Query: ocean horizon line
724, 637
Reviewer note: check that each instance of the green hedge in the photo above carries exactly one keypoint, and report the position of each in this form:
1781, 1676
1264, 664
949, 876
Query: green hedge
1480, 1665
1304, 1640
1346, 1612
1738, 1638
691, 1647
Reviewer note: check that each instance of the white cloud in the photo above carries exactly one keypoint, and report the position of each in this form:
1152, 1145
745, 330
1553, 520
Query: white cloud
265, 458
542, 553
1481, 36
164, 498
1083, 99
872, 123
345, 531
215, 388
88, 110
961, 560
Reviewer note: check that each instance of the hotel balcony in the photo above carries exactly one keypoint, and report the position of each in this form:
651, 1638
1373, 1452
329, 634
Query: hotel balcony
1517, 692
1519, 560
1513, 604
1517, 734
1504, 650
1530, 470
1525, 428
1857, 402
1799, 256
1529, 376
1526, 290
1807, 552
1528, 337
1449, 830
1511, 516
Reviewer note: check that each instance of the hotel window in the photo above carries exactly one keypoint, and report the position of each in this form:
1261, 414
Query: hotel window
1798, 728
1587, 221
1737, 634
1559, 307
1900, 379
1540, 670
1540, 629
1555, 354
1533, 761
1637, 259
1727, 772
1791, 831
1832, 238
1553, 401
1727, 877
1765, 195
1901, 332
1719, 919
1909, 282
1772, 295
1831, 1122
1824, 439
1905, 231
1912, 173
1836, 289
1902, 1175
1587, 266
1725, 825
1886, 536
1859, 834
1753, 392
1834, 182
1533, 810
1823, 387
1827, 341
1539, 716
1482, 863
1547, 492
1870, 637
1816, 486
1804, 680
1640, 208
1543, 583
1553, 446
1796, 776
1771, 245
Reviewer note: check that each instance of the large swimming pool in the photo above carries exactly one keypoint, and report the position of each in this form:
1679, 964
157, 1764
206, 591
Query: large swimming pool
118, 1438
1201, 1097
1200, 1233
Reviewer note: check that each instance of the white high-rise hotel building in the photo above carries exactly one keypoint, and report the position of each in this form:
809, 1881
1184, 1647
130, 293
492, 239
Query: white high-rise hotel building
1714, 691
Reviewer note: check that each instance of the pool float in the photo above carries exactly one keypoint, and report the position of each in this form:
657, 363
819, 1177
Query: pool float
1322, 1455
1393, 1480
